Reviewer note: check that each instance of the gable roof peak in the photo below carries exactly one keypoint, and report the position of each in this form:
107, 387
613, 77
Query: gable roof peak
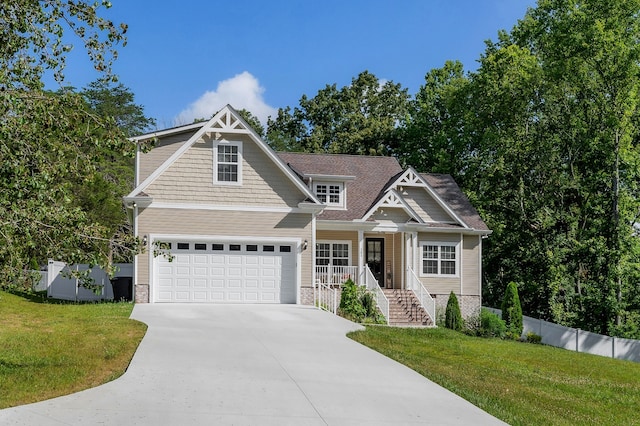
227, 120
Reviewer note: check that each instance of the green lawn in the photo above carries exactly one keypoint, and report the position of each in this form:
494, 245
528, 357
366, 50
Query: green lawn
520, 383
52, 349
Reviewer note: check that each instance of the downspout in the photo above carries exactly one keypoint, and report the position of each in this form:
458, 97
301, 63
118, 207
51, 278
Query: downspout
402, 260
461, 249
313, 255
135, 256
361, 253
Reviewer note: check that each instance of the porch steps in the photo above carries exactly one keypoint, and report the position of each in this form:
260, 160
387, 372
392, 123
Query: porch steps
405, 309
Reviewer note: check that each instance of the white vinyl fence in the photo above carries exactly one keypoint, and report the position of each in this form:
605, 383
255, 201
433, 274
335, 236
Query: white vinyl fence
574, 339
60, 285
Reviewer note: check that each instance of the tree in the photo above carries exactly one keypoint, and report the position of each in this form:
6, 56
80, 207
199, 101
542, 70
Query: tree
253, 121
433, 139
543, 137
512, 311
48, 141
100, 195
361, 118
108, 99
453, 316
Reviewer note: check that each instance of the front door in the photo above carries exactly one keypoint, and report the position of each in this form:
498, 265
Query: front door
375, 258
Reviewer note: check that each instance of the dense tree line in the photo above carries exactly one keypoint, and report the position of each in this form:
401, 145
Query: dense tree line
543, 137
62, 153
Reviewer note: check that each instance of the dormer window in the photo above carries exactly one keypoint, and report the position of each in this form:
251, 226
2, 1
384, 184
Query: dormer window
227, 158
330, 193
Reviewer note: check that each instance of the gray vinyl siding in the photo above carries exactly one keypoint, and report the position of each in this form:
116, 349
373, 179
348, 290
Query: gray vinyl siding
389, 214
190, 179
425, 205
164, 148
471, 265
207, 223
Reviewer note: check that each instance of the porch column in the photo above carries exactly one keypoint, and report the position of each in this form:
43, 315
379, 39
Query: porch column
360, 254
414, 253
403, 254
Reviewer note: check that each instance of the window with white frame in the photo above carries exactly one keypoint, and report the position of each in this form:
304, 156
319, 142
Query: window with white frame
439, 259
330, 193
227, 163
334, 253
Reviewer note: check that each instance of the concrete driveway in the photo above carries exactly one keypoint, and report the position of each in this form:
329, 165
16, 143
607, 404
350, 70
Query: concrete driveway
253, 365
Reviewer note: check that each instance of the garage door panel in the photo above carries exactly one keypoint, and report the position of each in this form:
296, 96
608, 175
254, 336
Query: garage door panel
235, 296
182, 296
234, 284
200, 296
200, 271
215, 273
251, 296
269, 284
234, 272
200, 283
217, 296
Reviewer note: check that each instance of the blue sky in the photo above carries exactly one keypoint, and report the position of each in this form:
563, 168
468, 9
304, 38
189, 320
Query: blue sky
187, 59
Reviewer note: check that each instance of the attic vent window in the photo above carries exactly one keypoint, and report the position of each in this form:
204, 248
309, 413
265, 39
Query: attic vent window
331, 194
227, 163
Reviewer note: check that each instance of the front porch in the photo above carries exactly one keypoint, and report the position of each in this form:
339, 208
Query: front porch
389, 256
412, 306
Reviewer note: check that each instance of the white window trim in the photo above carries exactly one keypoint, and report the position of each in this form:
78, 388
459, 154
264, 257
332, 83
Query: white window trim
349, 254
458, 259
216, 144
341, 205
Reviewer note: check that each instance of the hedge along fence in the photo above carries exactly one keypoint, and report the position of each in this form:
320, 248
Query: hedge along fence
574, 339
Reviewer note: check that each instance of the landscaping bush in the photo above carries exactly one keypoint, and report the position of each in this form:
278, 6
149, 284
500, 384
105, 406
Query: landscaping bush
453, 316
350, 305
512, 311
359, 305
533, 338
491, 325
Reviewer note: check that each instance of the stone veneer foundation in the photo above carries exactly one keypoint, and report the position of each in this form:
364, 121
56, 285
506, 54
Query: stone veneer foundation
469, 305
142, 293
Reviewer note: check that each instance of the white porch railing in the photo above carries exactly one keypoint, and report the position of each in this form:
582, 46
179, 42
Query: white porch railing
335, 275
326, 297
427, 302
372, 285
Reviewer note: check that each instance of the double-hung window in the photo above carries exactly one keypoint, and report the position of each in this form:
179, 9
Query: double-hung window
227, 163
439, 259
331, 194
332, 253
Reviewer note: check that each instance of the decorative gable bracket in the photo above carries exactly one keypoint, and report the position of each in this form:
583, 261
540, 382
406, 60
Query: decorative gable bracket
226, 123
410, 178
393, 200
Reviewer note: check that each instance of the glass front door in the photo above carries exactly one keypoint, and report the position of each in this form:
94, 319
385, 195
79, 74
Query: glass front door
375, 258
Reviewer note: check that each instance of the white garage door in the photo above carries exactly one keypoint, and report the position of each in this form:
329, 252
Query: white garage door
226, 272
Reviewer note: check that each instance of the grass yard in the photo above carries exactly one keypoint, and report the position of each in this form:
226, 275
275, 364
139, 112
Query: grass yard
52, 349
521, 384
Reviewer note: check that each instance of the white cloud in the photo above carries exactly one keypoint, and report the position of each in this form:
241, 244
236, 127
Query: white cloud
242, 91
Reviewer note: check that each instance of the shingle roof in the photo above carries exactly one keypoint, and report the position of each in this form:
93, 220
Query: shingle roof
451, 193
371, 176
